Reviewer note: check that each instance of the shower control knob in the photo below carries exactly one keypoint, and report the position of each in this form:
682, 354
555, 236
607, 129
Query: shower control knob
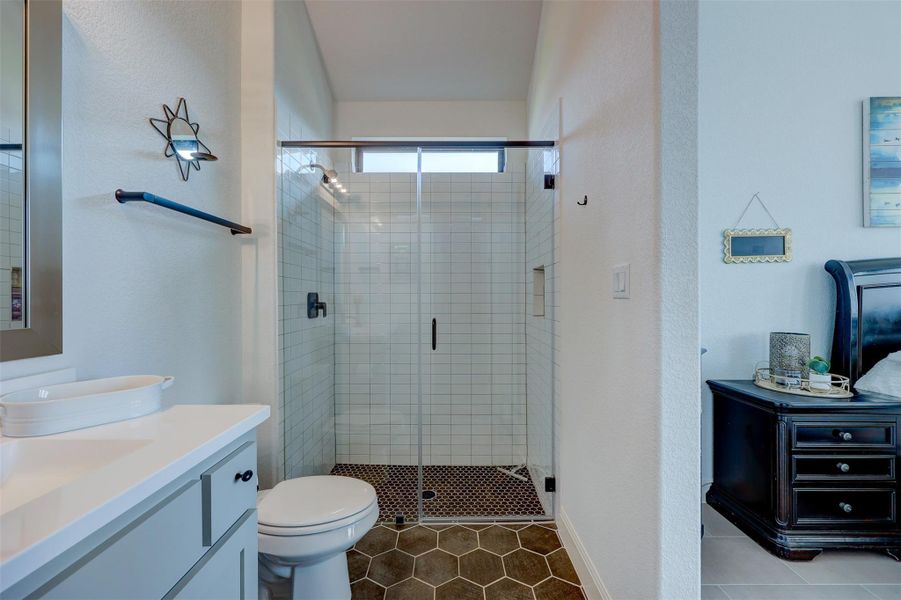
843, 467
245, 476
845, 506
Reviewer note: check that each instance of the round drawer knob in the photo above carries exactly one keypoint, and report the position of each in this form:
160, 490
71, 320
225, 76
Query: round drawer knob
845, 506
845, 436
245, 476
843, 467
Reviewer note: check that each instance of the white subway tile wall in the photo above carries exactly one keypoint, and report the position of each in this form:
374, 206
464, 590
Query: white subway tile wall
306, 246
375, 310
11, 228
473, 284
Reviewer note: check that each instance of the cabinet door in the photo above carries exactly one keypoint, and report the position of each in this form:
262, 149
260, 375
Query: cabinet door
141, 561
229, 570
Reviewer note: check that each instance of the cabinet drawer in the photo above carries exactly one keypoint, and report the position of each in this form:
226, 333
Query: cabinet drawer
851, 505
168, 535
839, 467
843, 435
229, 489
228, 570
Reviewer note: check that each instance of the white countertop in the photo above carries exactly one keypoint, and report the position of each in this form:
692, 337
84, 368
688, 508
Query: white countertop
168, 444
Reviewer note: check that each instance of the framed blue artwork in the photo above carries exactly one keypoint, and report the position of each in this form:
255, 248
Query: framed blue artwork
882, 162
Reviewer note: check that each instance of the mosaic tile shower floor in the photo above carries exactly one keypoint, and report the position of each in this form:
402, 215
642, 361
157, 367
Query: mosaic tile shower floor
460, 491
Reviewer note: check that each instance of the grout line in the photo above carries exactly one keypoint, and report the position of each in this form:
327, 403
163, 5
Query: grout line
788, 564
726, 586
723, 589
869, 591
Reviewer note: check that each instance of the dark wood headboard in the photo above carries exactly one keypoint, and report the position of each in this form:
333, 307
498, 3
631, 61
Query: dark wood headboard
867, 313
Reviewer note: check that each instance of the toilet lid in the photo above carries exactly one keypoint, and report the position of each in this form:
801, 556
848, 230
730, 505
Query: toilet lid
314, 500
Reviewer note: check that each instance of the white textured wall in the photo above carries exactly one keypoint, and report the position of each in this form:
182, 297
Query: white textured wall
499, 119
680, 381
259, 274
781, 85
304, 108
147, 290
303, 96
603, 59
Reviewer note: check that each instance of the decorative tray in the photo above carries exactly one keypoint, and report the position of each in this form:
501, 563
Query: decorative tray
839, 387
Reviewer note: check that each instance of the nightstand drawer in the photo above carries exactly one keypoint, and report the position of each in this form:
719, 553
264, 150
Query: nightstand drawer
843, 435
832, 506
841, 467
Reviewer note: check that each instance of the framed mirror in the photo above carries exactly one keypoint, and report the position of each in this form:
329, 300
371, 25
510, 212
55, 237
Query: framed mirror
757, 245
30, 178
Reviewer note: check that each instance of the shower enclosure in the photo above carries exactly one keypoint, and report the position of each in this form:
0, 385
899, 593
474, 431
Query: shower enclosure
424, 363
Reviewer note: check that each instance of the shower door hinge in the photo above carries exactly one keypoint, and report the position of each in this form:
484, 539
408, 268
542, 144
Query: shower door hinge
550, 182
550, 484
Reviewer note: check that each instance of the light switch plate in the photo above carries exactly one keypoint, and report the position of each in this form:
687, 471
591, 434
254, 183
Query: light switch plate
621, 281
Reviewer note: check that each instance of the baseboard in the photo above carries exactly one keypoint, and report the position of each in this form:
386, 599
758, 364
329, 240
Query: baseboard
591, 580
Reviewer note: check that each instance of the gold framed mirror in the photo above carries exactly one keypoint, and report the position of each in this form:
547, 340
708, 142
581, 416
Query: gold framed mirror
757, 245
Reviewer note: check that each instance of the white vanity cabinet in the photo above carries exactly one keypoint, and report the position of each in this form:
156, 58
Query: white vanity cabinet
194, 539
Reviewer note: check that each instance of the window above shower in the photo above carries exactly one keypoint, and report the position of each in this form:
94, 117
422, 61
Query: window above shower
434, 160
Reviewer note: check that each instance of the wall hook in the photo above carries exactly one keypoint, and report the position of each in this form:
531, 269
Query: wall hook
583, 202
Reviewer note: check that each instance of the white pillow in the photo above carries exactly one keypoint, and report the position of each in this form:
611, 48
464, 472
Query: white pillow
884, 377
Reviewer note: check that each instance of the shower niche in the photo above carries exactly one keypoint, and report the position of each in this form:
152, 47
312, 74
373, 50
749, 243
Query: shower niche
432, 374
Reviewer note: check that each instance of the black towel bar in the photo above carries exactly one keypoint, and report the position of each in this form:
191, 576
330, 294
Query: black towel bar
123, 197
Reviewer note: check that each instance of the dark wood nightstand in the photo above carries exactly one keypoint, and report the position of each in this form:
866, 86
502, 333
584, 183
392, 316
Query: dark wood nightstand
801, 474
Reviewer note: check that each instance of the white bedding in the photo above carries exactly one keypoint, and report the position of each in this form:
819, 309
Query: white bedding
884, 377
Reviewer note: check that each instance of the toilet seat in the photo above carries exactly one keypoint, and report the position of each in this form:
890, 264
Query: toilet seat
314, 504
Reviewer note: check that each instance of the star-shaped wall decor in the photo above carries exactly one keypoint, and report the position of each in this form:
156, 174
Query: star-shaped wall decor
181, 138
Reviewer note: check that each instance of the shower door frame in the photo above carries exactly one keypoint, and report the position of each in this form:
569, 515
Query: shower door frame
419, 146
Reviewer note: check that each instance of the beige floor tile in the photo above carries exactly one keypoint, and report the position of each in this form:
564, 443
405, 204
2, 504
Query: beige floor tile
713, 592
849, 567
716, 525
885, 592
729, 560
797, 592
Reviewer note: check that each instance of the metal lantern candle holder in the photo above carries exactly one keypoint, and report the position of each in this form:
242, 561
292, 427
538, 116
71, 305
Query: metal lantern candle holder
789, 355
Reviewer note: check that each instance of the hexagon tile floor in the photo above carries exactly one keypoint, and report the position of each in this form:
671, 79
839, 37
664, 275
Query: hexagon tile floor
460, 491
500, 561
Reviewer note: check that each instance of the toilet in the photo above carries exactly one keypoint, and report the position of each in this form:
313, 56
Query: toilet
305, 527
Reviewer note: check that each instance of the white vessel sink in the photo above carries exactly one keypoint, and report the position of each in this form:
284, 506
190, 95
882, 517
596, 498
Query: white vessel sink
68, 406
30, 468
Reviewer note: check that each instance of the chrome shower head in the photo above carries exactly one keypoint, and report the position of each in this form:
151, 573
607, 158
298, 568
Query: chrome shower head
328, 175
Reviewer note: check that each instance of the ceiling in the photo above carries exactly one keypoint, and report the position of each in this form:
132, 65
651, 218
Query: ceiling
427, 49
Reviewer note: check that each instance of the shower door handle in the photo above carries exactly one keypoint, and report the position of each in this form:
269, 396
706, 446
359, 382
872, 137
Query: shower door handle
434, 334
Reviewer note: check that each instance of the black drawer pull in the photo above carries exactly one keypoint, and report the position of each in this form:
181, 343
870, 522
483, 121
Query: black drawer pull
845, 506
843, 467
843, 435
245, 476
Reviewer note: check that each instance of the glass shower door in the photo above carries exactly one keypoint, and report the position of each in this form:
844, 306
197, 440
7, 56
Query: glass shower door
473, 344
432, 374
